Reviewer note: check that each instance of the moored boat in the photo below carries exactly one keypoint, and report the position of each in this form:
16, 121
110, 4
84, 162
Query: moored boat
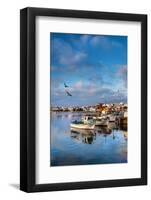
123, 120
82, 125
87, 122
100, 121
87, 119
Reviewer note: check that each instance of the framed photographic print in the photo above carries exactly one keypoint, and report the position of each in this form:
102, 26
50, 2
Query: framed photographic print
83, 99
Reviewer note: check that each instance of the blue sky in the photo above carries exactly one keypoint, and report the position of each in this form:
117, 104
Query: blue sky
93, 66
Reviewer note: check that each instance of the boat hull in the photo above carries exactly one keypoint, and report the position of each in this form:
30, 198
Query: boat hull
101, 123
82, 126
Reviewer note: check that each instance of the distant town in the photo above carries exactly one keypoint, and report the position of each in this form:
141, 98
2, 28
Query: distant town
101, 108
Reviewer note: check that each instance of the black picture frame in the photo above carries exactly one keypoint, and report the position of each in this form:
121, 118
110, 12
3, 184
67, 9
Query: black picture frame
28, 99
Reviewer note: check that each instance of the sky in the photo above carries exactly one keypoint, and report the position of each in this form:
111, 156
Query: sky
94, 67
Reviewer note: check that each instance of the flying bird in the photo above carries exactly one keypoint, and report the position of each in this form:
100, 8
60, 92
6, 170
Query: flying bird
65, 85
69, 94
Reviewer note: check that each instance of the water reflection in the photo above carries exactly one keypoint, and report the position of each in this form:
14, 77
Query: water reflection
86, 136
89, 136
102, 145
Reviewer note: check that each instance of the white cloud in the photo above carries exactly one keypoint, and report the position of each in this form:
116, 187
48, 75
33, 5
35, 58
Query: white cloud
101, 41
122, 73
104, 42
72, 58
85, 38
66, 54
79, 85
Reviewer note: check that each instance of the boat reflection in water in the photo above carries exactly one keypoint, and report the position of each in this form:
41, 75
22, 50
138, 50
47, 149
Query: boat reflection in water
86, 136
89, 136
73, 146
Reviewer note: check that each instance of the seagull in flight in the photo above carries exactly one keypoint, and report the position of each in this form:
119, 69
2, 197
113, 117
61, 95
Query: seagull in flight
65, 85
69, 94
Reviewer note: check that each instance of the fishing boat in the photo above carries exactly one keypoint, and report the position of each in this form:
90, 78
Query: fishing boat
100, 121
86, 122
87, 119
114, 116
122, 121
112, 126
82, 125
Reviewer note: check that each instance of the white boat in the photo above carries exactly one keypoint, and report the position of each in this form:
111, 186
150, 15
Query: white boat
81, 125
87, 122
112, 118
101, 121
112, 125
87, 119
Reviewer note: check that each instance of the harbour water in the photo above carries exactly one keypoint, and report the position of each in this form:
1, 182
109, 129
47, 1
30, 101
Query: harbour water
103, 145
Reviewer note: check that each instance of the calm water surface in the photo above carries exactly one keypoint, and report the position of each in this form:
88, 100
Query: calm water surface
81, 147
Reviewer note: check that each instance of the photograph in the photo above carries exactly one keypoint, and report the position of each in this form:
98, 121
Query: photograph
88, 99
83, 99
